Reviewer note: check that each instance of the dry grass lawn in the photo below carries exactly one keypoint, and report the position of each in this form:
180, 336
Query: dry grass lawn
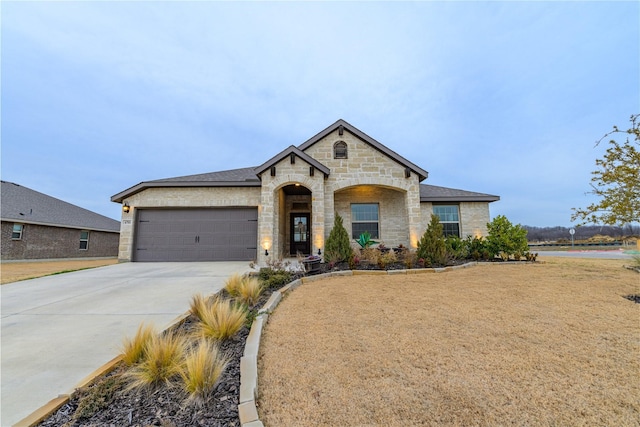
15, 271
551, 344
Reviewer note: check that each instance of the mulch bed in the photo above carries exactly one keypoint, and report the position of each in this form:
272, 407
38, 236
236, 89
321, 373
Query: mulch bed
165, 406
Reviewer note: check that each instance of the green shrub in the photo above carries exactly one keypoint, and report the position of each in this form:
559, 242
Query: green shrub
337, 248
456, 247
98, 396
431, 247
505, 239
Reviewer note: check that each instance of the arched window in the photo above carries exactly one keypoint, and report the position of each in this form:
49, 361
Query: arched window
340, 150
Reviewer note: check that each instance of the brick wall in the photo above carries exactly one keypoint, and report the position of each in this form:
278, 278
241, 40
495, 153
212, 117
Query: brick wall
44, 242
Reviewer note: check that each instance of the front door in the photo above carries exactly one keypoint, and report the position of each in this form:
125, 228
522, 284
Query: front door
300, 234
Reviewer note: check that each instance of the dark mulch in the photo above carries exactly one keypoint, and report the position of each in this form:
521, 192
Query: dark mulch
634, 298
165, 406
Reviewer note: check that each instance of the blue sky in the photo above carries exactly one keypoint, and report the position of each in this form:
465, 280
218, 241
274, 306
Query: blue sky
505, 98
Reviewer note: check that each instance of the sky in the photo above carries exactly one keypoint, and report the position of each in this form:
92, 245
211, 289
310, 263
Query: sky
504, 98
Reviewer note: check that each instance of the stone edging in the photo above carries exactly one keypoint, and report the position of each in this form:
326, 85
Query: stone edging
247, 411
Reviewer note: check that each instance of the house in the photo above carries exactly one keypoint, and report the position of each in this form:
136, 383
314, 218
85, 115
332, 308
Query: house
287, 205
37, 226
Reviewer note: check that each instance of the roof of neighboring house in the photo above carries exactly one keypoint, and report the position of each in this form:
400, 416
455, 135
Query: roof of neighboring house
366, 138
432, 193
24, 205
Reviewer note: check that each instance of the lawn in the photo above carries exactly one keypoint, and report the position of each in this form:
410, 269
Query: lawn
543, 344
16, 271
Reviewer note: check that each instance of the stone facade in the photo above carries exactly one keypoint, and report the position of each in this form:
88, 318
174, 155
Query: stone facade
46, 242
312, 180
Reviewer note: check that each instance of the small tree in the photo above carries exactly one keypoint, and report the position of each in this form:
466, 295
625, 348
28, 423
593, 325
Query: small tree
616, 181
338, 245
431, 247
505, 238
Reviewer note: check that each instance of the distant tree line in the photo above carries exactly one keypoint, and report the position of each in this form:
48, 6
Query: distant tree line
584, 232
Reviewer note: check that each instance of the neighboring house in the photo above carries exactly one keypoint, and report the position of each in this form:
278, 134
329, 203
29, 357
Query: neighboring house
37, 226
287, 204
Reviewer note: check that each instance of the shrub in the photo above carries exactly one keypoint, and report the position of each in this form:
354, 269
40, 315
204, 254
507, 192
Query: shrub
222, 320
337, 248
370, 255
161, 362
431, 247
97, 396
506, 237
476, 247
133, 348
386, 259
249, 291
232, 284
274, 279
409, 258
201, 370
456, 247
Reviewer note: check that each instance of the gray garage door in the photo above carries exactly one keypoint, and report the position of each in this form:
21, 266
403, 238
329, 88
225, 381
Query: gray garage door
226, 234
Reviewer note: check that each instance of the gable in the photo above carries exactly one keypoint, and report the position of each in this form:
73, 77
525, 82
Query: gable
360, 147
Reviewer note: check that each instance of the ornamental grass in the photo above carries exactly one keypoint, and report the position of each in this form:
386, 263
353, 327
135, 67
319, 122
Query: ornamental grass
201, 370
133, 348
161, 363
233, 283
222, 320
249, 291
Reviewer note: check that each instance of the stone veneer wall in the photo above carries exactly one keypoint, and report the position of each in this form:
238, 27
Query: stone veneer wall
181, 198
474, 217
393, 226
367, 166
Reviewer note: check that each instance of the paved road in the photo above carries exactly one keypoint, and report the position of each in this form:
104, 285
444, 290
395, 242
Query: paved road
614, 254
56, 330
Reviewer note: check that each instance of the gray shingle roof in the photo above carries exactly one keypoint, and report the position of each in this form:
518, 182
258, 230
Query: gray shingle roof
433, 193
22, 204
244, 177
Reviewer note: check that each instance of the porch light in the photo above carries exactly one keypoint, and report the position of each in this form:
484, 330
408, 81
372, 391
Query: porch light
319, 252
266, 252
126, 208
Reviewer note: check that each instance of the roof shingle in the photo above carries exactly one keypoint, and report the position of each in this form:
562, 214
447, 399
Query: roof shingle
22, 204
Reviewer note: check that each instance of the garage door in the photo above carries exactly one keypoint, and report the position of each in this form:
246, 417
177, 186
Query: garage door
228, 234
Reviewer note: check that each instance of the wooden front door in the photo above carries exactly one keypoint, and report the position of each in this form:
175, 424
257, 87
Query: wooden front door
300, 232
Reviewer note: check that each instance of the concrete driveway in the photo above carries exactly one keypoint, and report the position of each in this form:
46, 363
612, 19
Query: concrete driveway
56, 330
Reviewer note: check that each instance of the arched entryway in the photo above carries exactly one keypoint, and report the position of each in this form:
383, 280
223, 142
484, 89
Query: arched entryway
295, 220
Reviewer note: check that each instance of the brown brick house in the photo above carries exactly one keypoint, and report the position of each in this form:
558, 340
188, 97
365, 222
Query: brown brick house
287, 204
37, 226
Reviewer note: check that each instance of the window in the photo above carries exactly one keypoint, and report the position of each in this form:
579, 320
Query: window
449, 218
84, 240
364, 217
340, 150
16, 234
